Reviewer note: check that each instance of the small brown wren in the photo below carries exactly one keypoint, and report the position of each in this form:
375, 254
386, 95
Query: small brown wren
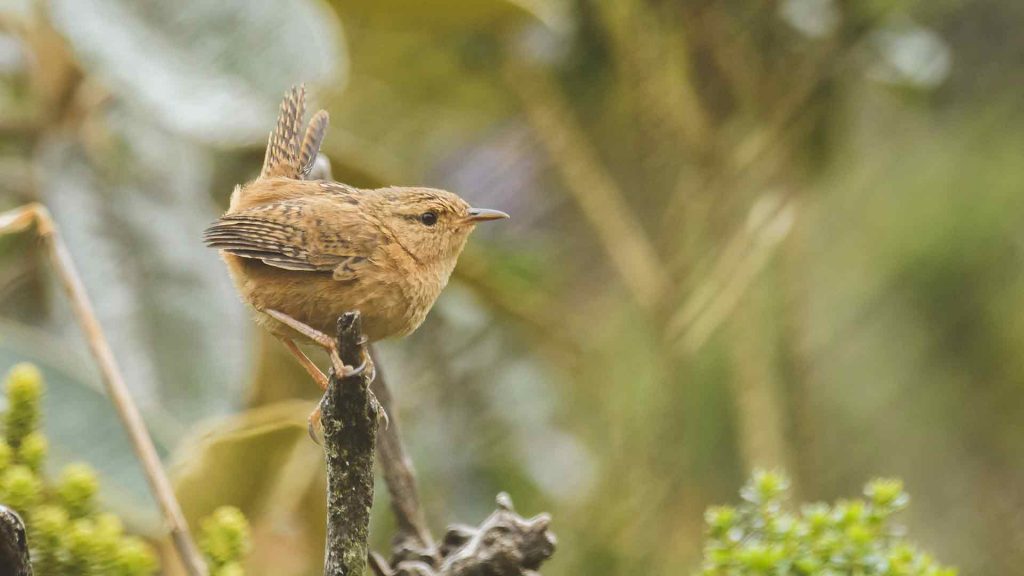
302, 252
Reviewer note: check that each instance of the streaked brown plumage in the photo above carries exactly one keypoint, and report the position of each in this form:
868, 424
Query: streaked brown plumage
307, 251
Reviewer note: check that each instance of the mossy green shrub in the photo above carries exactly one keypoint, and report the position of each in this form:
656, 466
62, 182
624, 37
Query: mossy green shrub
68, 535
851, 537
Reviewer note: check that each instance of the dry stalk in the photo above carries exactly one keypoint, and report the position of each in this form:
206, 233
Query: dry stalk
23, 218
590, 185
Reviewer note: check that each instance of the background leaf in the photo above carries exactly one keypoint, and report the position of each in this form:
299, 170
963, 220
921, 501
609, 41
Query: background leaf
211, 70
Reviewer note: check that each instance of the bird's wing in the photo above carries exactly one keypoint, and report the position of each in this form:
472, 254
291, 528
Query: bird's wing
311, 234
290, 150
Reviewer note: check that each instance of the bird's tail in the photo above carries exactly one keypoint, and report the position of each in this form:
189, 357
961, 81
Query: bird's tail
289, 153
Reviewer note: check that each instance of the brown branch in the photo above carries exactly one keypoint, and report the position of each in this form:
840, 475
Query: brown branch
399, 475
349, 416
505, 544
24, 217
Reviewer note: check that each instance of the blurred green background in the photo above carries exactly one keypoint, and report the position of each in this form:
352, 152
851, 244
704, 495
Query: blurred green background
782, 233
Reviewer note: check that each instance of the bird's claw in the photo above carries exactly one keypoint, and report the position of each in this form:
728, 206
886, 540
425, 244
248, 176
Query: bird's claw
314, 427
382, 414
350, 371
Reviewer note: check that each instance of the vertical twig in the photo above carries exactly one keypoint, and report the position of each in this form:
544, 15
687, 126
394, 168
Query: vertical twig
349, 415
586, 179
399, 475
24, 217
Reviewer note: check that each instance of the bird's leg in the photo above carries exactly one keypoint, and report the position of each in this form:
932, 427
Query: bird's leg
313, 423
319, 377
314, 426
321, 339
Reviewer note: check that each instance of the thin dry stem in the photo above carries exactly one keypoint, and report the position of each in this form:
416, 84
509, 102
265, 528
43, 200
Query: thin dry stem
399, 475
23, 218
745, 255
591, 186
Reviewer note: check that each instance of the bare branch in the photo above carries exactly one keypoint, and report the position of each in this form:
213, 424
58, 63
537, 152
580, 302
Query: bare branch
399, 475
349, 414
505, 544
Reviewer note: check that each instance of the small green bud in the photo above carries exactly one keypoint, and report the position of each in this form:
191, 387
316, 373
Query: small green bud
48, 524
109, 524
33, 449
81, 546
859, 535
887, 494
225, 536
817, 516
24, 389
134, 558
765, 487
20, 488
849, 512
49, 520
76, 489
106, 542
720, 519
24, 382
719, 556
760, 557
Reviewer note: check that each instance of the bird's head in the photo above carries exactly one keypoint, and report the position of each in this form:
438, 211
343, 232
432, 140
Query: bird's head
432, 225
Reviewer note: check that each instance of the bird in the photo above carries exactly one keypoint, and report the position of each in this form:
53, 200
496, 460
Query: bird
303, 251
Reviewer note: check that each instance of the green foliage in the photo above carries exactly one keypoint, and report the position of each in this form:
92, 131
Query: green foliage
76, 489
33, 450
20, 488
24, 390
850, 537
225, 540
66, 534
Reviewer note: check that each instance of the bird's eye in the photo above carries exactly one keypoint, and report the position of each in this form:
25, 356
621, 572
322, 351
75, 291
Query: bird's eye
429, 218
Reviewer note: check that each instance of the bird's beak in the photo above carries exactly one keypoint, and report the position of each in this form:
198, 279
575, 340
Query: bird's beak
484, 214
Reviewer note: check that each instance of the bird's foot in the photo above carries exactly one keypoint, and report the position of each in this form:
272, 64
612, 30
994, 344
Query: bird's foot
314, 426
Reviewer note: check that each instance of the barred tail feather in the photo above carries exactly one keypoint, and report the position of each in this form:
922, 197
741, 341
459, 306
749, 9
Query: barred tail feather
315, 133
284, 146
